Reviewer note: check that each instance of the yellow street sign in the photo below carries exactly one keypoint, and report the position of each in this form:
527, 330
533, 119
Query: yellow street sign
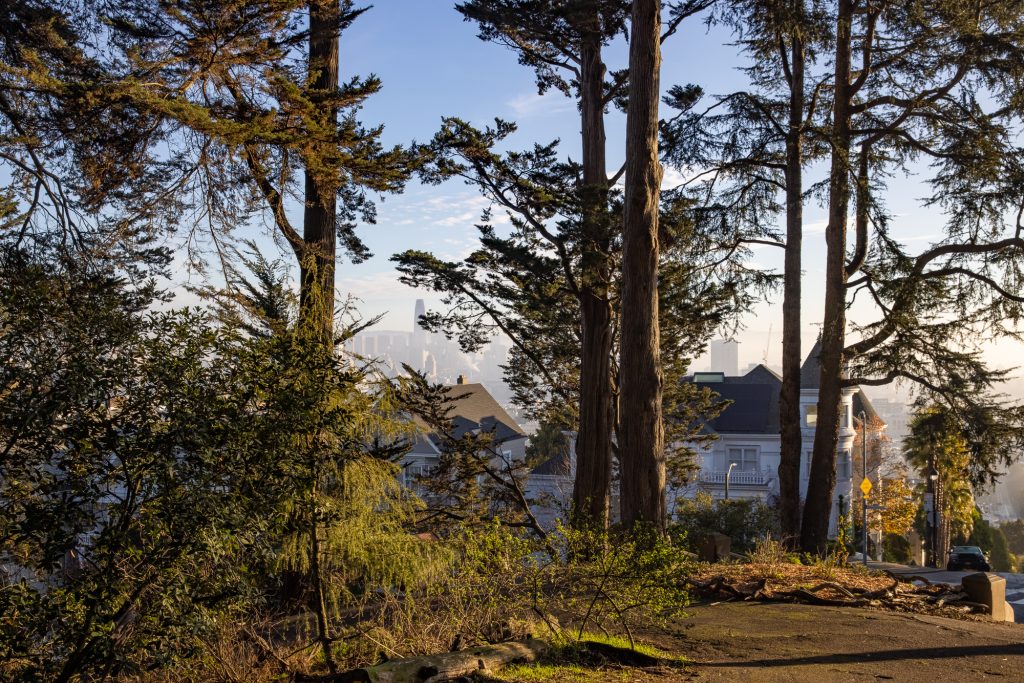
865, 486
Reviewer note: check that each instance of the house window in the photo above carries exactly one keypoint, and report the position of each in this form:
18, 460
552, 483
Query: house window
413, 471
843, 465
812, 416
745, 458
807, 464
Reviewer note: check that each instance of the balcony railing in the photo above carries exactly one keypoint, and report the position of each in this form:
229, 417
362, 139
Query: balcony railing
737, 478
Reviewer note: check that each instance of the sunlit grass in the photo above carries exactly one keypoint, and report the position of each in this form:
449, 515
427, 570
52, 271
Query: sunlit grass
637, 646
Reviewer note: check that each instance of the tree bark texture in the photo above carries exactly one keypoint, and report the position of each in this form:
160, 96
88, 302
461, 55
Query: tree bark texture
591, 493
822, 480
449, 666
791, 438
641, 433
320, 218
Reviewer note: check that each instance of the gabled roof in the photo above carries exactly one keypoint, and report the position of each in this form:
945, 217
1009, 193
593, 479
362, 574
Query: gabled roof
472, 409
559, 464
862, 403
473, 403
755, 403
755, 398
810, 371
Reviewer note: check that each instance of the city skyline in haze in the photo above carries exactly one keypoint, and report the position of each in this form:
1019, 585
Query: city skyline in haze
432, 56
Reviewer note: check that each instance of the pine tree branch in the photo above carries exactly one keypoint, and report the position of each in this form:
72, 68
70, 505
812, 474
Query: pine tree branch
906, 298
275, 201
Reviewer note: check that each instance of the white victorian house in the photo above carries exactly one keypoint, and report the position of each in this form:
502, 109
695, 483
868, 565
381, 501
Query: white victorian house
747, 447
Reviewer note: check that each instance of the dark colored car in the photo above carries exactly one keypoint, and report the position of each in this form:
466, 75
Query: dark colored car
963, 557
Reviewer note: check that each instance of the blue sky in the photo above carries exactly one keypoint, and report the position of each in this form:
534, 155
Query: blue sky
432, 65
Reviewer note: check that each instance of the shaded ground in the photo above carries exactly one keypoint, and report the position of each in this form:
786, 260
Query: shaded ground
787, 643
774, 642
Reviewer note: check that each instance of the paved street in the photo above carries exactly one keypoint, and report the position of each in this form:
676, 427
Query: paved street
1014, 582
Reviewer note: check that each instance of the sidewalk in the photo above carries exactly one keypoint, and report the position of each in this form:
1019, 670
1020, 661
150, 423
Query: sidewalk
780, 643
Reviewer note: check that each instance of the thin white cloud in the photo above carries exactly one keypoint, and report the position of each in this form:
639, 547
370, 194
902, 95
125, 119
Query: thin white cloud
532, 104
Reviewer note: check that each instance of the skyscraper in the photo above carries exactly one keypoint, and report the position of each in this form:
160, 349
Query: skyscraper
725, 357
419, 335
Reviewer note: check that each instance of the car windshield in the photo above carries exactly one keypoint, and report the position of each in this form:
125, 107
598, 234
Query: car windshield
967, 550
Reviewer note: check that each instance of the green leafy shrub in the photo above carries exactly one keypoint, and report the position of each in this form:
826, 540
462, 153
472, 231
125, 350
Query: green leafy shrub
897, 549
745, 521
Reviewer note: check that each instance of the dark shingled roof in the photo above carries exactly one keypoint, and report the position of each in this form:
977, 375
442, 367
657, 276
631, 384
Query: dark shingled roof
810, 371
559, 465
755, 403
755, 399
862, 403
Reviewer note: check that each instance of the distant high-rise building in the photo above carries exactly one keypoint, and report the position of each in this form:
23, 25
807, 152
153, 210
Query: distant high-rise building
725, 357
418, 333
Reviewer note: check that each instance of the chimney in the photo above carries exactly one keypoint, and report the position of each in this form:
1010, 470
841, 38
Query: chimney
461, 379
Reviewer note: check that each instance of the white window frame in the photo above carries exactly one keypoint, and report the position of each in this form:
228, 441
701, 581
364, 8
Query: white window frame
747, 458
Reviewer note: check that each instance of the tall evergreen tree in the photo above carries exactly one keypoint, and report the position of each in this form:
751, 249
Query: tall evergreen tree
536, 284
247, 100
752, 145
938, 83
641, 433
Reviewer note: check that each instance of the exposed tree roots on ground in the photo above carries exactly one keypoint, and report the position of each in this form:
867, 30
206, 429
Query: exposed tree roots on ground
901, 595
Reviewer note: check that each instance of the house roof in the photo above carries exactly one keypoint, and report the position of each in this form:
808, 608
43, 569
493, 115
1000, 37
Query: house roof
559, 464
472, 403
755, 398
754, 407
472, 409
810, 371
862, 403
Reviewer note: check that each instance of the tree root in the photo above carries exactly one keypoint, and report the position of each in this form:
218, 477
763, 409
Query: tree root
901, 595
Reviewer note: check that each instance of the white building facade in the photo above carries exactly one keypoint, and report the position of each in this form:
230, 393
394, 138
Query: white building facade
746, 452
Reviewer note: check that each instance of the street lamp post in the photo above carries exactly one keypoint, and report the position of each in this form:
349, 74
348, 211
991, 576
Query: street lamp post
933, 536
728, 475
864, 497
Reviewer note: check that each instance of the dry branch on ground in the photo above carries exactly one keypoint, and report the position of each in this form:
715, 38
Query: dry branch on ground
834, 587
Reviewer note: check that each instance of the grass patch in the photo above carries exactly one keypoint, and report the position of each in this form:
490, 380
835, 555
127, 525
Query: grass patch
642, 648
547, 672
571, 662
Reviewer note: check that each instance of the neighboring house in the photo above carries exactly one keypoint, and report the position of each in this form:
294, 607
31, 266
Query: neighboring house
549, 487
748, 441
474, 410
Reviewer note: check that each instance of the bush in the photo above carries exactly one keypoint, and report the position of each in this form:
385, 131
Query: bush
895, 548
744, 521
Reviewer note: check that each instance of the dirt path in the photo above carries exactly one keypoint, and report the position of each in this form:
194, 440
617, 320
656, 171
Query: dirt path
760, 642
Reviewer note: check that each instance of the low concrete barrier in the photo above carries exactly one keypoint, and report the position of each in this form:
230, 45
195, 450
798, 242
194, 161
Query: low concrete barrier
990, 590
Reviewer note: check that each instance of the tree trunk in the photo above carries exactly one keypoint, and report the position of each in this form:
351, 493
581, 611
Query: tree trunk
791, 438
641, 447
450, 666
319, 597
822, 481
319, 219
592, 485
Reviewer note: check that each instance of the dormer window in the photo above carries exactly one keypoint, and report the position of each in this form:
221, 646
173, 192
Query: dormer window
811, 419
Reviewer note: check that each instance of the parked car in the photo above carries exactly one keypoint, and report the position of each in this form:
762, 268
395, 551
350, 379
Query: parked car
967, 557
